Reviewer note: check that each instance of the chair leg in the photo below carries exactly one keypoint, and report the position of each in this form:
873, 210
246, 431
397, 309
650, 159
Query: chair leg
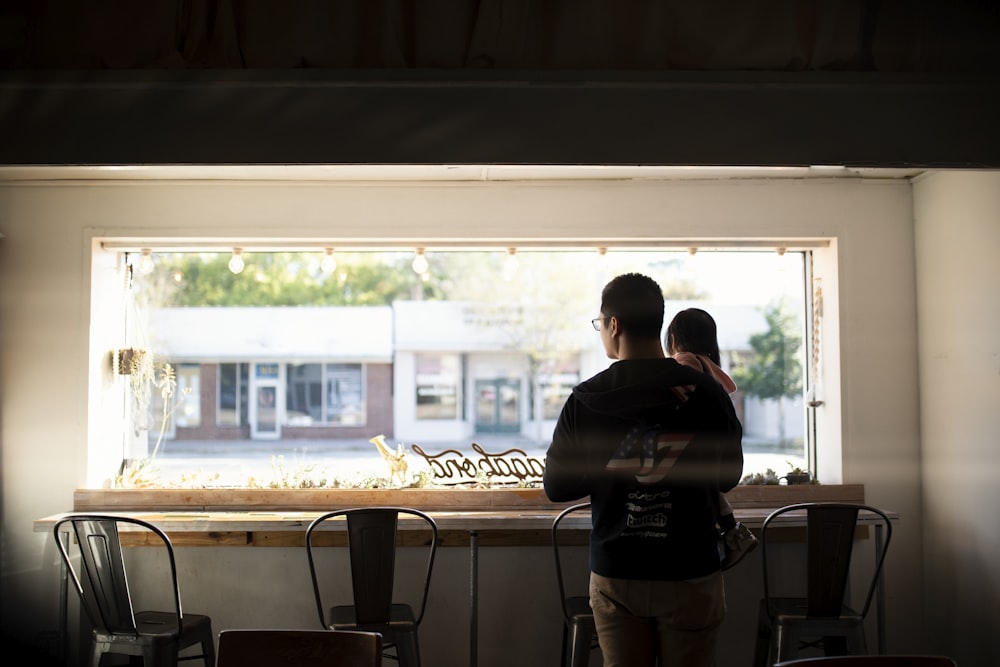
164, 656
564, 657
762, 647
786, 643
580, 643
96, 653
408, 650
855, 642
208, 651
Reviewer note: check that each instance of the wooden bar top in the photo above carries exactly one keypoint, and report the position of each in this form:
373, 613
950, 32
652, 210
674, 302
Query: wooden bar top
500, 517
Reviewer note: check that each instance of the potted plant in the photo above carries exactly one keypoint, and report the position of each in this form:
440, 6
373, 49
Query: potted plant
144, 376
797, 475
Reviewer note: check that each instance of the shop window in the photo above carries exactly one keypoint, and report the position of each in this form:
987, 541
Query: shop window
345, 394
232, 395
437, 382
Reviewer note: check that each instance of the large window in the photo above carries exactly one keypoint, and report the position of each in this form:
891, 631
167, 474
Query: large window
432, 336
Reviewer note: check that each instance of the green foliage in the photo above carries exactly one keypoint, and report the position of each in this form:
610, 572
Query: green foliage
774, 371
767, 478
291, 279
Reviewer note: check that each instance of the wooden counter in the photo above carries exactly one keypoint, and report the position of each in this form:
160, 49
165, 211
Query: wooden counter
279, 517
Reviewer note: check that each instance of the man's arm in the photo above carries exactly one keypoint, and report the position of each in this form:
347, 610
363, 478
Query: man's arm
565, 477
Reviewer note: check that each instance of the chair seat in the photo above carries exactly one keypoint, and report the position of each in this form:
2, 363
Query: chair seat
791, 610
158, 629
401, 619
165, 623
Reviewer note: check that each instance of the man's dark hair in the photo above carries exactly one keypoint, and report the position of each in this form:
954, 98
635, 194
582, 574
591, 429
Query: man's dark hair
637, 301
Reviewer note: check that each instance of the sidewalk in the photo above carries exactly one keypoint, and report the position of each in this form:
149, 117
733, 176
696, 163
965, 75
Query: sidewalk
234, 462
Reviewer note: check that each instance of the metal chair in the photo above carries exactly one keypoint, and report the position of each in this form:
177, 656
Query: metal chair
819, 617
579, 631
299, 648
102, 583
871, 661
371, 534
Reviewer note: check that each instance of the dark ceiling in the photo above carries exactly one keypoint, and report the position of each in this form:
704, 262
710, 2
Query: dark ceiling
672, 82
595, 35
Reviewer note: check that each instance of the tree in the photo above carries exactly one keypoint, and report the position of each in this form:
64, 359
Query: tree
774, 372
287, 279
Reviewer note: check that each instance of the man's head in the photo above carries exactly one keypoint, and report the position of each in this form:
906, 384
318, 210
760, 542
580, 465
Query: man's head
636, 302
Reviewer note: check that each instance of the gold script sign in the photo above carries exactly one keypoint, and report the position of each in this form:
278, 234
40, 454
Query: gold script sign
512, 466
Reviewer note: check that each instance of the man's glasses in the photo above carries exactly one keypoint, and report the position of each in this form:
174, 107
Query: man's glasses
596, 323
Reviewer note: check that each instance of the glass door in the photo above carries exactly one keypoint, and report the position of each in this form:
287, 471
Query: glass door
266, 397
498, 406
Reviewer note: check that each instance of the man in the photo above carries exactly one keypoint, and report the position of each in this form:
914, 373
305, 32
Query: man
652, 443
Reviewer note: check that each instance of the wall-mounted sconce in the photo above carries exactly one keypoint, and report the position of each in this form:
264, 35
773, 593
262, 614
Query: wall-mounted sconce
236, 263
420, 264
329, 262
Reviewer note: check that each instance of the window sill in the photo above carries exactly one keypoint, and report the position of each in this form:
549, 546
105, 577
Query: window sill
487, 500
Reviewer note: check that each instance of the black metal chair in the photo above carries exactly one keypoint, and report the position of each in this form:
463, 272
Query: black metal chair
299, 648
102, 583
372, 535
819, 616
579, 632
871, 661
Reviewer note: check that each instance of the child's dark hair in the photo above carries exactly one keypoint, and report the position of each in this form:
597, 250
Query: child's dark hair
693, 330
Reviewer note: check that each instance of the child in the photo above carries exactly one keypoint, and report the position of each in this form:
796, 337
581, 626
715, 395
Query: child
692, 340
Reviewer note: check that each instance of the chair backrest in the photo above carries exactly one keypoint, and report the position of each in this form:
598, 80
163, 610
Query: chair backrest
102, 579
830, 539
371, 534
299, 648
871, 661
582, 507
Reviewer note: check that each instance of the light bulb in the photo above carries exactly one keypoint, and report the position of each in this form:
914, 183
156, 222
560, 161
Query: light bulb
146, 263
329, 263
510, 264
420, 264
236, 263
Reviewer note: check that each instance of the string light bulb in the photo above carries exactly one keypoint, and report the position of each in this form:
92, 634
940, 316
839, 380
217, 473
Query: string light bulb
510, 264
420, 264
146, 262
329, 263
236, 263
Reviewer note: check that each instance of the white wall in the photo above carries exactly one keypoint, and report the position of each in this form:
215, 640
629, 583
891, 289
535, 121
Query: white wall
49, 348
957, 222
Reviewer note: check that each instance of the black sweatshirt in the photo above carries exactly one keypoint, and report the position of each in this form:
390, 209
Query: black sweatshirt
652, 443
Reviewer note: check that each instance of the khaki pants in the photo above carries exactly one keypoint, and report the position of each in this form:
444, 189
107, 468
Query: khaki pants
640, 621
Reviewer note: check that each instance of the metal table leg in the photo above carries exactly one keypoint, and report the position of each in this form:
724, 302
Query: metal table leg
880, 594
474, 603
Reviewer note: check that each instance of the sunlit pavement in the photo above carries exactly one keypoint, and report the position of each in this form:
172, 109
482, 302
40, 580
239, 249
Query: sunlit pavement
288, 463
